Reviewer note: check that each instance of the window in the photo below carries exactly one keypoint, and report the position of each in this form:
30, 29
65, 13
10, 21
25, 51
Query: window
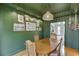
58, 29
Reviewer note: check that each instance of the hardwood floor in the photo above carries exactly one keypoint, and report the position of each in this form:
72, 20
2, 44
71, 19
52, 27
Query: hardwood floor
21, 53
71, 52
68, 52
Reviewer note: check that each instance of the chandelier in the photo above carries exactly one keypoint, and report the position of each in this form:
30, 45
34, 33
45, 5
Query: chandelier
48, 16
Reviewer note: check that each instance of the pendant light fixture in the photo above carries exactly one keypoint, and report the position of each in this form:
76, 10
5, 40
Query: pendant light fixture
48, 16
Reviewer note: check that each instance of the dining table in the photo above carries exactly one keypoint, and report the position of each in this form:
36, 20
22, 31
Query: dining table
43, 47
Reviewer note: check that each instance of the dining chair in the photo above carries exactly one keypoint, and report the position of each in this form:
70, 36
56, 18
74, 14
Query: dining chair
30, 48
36, 37
53, 40
56, 51
53, 36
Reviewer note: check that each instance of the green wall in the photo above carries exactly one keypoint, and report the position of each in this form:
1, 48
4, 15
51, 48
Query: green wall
46, 29
78, 39
11, 42
71, 37
0, 34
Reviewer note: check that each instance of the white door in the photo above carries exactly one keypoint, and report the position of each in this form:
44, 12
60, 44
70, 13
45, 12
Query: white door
59, 29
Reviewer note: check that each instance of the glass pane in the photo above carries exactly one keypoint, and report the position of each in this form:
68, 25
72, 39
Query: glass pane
58, 30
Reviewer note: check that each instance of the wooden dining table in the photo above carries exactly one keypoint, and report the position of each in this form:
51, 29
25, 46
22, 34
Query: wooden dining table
43, 46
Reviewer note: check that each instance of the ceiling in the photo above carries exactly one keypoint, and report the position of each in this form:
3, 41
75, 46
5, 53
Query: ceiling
38, 9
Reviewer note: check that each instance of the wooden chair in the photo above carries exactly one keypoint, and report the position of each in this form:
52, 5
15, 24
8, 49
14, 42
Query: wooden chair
53, 36
56, 51
31, 49
36, 37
